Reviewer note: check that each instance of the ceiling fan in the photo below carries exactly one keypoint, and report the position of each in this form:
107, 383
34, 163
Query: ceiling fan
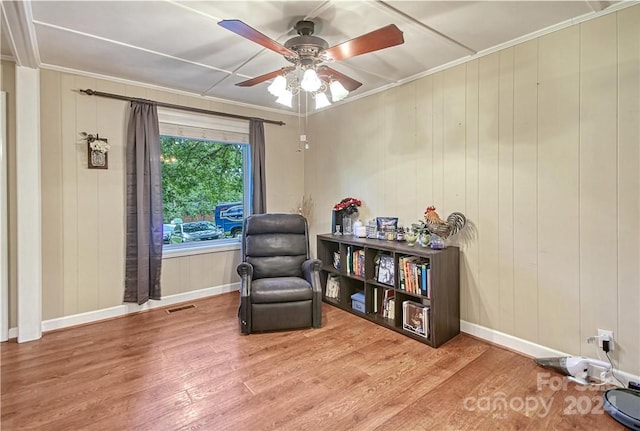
308, 54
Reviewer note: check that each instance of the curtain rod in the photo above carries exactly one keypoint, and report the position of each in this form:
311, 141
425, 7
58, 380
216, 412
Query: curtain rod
91, 92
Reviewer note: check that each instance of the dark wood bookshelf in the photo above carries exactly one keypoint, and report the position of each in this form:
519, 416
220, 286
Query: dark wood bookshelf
443, 275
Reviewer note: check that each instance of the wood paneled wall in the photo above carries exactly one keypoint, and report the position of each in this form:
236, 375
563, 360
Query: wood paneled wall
8, 84
538, 144
84, 209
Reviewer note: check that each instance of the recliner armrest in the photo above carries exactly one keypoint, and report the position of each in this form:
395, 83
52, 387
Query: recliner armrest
245, 271
311, 272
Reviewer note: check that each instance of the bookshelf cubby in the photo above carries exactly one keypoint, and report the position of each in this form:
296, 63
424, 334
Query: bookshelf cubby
429, 279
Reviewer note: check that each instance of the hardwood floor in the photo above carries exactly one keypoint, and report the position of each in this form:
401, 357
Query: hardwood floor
192, 370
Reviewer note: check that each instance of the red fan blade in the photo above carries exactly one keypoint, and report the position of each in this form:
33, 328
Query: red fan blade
326, 73
242, 29
384, 37
265, 77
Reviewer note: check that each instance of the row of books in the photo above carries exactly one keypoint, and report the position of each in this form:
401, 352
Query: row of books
388, 304
414, 275
355, 261
332, 289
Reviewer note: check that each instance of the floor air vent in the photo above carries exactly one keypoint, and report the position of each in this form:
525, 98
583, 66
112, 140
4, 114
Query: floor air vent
184, 307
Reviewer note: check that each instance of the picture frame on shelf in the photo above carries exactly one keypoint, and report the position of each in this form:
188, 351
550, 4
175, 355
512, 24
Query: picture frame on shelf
415, 318
386, 270
336, 221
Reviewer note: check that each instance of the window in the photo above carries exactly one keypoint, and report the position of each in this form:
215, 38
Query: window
205, 179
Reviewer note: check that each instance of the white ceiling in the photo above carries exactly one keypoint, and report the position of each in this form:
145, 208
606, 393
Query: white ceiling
178, 45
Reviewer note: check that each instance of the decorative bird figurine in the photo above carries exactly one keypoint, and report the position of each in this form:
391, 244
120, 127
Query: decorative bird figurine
454, 223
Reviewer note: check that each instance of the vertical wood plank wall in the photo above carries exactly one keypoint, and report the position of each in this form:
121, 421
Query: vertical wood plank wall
8, 85
84, 209
628, 202
598, 158
525, 209
558, 177
538, 144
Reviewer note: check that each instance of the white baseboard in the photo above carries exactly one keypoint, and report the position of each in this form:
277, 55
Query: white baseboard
527, 347
509, 341
128, 308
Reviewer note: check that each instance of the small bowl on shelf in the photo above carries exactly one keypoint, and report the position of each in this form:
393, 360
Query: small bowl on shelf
410, 238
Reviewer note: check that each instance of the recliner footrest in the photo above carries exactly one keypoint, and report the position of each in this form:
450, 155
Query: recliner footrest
285, 315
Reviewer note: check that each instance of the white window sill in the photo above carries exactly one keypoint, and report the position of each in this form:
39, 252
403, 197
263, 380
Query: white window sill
195, 248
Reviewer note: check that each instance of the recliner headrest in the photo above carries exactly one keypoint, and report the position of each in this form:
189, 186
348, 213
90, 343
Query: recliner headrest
275, 223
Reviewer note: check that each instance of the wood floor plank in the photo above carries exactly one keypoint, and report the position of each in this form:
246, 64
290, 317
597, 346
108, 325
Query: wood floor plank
193, 370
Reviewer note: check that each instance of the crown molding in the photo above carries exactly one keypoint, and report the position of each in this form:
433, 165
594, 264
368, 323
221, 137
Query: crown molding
18, 22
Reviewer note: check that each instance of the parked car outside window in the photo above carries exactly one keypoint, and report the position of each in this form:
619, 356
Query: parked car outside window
167, 230
196, 231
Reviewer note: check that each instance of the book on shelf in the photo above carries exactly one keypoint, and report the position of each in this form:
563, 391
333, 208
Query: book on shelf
360, 272
375, 299
388, 304
426, 280
415, 318
332, 289
356, 259
403, 273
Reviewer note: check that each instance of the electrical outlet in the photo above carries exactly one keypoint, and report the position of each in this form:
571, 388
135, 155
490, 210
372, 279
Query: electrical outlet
604, 334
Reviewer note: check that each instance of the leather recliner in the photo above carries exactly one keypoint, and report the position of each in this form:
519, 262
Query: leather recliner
280, 284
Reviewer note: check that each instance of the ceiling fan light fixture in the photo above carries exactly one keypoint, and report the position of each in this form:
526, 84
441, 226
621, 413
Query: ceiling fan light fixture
310, 81
307, 53
285, 98
278, 86
322, 101
338, 92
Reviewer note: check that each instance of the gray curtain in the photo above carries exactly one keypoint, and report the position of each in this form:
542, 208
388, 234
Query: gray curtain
144, 205
259, 185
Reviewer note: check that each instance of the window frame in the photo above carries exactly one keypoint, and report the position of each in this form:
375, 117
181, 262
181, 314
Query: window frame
168, 120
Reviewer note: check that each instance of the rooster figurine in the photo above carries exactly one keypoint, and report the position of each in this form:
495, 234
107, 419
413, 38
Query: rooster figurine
454, 223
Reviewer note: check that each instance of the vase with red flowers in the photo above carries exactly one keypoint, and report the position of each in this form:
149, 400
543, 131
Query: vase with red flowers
343, 214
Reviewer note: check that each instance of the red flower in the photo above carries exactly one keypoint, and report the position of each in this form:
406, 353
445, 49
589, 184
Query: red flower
350, 205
